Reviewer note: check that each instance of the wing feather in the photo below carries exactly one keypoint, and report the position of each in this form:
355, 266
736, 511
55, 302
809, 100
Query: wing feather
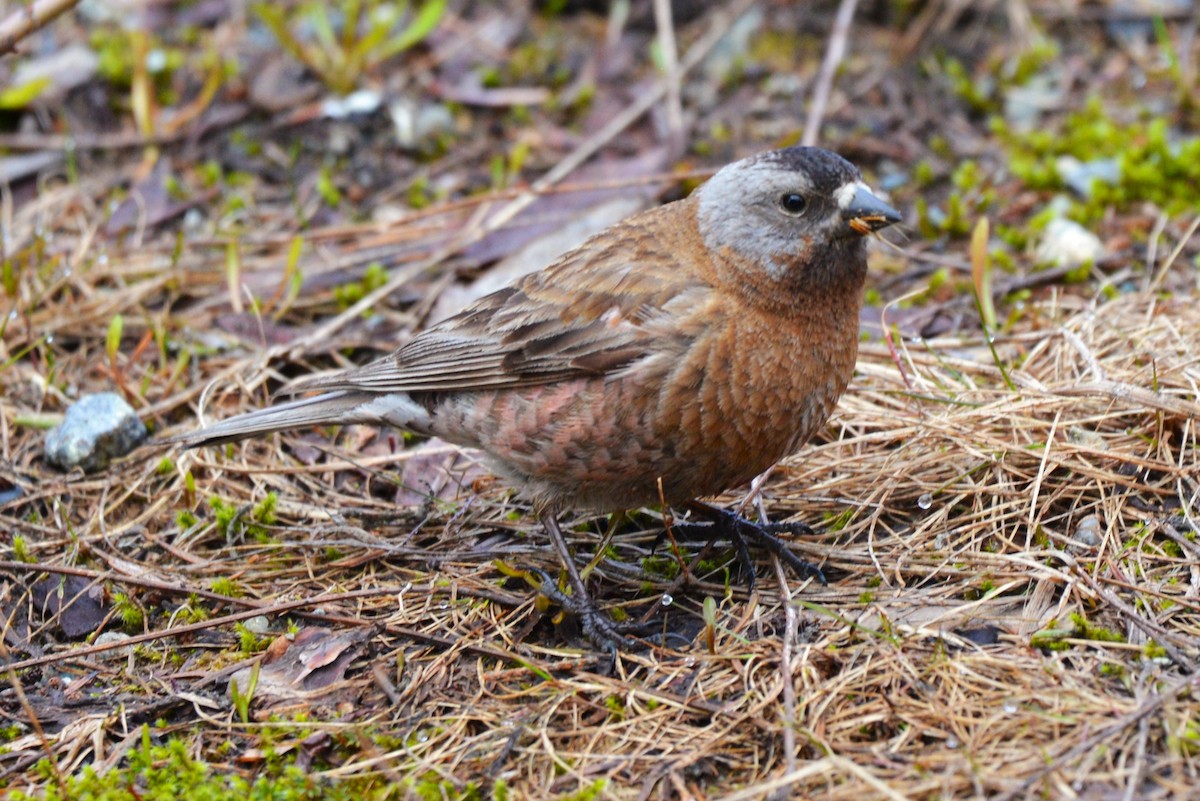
582, 316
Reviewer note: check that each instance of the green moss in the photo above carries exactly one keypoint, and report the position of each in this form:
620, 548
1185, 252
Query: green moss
168, 771
1050, 640
232, 523
419, 194
116, 49
435, 787
350, 293
326, 187
21, 551
193, 611
1154, 165
967, 176
1187, 739
133, 619
938, 279
1030, 62
264, 511
663, 566
956, 222
923, 174
491, 78
1003, 260
924, 221
227, 587
223, 512
249, 642
838, 521
1079, 274
1153, 650
978, 93
975, 593
1085, 630
589, 793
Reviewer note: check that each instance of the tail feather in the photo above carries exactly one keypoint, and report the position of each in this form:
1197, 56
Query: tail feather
330, 408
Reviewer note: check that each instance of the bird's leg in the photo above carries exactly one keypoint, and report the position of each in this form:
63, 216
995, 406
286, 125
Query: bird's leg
597, 627
740, 530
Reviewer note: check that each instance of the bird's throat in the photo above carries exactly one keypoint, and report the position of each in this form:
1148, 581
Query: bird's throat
820, 281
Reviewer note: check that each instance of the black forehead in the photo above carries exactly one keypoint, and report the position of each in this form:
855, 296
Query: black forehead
827, 171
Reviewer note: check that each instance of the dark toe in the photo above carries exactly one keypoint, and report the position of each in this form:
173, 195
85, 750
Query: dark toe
740, 531
597, 627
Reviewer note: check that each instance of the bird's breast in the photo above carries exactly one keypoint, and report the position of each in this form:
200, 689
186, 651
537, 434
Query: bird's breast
759, 389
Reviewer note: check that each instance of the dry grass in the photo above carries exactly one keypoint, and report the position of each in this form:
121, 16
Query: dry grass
951, 507
1014, 574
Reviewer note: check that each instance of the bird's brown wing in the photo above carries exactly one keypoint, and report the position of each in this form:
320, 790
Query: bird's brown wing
615, 300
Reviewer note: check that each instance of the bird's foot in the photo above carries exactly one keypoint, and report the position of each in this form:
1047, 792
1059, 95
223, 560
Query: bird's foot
741, 531
597, 627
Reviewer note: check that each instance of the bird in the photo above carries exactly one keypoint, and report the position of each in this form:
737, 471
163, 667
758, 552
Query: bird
675, 355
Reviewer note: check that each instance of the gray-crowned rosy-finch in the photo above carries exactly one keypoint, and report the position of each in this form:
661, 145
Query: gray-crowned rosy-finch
690, 347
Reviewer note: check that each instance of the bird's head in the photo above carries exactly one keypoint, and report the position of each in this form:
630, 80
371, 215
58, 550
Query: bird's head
797, 216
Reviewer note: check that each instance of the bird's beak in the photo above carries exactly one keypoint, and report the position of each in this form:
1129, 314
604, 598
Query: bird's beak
866, 213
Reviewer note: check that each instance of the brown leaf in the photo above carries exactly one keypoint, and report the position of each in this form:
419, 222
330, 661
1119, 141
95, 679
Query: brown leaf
303, 667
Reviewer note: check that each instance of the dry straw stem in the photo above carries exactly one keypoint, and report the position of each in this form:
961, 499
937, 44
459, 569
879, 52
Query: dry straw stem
29, 18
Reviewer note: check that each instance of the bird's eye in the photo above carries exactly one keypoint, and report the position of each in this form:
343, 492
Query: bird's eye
792, 203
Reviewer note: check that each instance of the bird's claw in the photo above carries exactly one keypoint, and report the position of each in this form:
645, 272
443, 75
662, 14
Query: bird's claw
597, 627
740, 531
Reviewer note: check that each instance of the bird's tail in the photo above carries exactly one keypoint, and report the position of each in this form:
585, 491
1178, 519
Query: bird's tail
328, 409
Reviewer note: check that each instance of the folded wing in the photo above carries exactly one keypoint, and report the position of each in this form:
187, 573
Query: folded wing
583, 316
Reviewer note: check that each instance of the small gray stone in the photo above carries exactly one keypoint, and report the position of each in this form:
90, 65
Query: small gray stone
114, 636
418, 125
892, 178
1066, 243
1087, 533
1082, 176
1025, 105
96, 430
364, 101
